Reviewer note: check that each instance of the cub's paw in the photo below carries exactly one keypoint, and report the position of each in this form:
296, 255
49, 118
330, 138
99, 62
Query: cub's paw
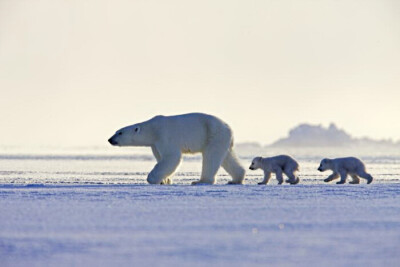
232, 182
327, 180
354, 182
340, 182
261, 183
295, 181
200, 183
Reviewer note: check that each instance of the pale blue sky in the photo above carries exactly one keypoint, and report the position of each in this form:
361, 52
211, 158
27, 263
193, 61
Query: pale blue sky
72, 72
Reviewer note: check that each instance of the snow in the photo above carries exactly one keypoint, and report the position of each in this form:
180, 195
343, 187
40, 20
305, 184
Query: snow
71, 210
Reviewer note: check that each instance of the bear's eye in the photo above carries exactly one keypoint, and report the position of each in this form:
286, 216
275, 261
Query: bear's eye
120, 133
136, 130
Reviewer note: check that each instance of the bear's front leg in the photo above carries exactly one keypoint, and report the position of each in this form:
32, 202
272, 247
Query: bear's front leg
331, 177
267, 175
163, 169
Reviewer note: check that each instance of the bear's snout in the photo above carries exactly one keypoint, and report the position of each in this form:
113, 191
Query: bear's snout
251, 168
112, 141
320, 169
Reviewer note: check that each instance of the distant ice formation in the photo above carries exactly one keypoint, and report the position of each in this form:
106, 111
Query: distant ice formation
308, 135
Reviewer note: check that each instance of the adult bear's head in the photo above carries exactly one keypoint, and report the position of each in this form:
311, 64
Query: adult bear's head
135, 135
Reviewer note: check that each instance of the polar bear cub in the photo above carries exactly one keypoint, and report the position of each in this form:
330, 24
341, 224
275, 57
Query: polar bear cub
278, 165
343, 167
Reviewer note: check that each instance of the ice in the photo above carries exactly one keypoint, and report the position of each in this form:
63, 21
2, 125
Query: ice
71, 209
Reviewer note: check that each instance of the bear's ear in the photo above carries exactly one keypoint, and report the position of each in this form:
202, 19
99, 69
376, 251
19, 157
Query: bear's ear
136, 129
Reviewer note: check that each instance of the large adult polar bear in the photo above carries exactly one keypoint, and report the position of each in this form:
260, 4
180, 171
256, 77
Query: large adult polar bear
171, 136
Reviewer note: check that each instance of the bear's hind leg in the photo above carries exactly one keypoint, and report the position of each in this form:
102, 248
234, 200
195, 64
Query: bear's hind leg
343, 176
365, 175
356, 180
279, 176
163, 169
233, 168
292, 177
213, 156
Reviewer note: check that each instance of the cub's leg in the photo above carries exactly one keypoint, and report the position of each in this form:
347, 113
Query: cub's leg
343, 176
267, 175
292, 177
355, 180
331, 177
365, 175
279, 176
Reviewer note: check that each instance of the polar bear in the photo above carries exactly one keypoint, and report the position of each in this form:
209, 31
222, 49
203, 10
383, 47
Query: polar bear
344, 166
278, 165
171, 136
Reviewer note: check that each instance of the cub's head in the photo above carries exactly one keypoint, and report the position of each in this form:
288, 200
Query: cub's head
324, 165
134, 135
255, 163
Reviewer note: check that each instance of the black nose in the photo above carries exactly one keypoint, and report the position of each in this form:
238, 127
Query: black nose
111, 141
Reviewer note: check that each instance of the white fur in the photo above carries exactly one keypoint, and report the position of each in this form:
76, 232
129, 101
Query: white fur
171, 136
278, 165
343, 167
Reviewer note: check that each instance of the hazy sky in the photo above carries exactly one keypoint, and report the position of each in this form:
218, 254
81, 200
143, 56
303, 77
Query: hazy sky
73, 72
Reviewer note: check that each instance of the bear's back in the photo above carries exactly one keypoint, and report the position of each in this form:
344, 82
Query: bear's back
350, 163
191, 131
189, 122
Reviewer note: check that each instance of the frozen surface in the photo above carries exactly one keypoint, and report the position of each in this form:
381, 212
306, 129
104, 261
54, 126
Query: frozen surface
83, 209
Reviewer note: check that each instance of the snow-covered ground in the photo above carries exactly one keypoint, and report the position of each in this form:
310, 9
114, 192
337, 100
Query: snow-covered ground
90, 209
